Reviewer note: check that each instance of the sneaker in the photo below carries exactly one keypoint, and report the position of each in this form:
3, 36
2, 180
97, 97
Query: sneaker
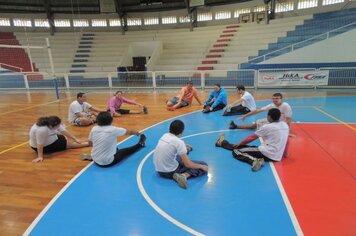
189, 147
142, 140
256, 165
220, 140
262, 161
232, 125
85, 157
181, 180
145, 110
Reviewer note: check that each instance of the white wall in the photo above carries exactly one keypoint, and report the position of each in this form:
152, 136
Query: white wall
340, 48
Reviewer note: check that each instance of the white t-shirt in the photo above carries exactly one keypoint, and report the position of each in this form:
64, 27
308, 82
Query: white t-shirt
166, 152
44, 135
285, 109
248, 101
275, 136
76, 107
104, 139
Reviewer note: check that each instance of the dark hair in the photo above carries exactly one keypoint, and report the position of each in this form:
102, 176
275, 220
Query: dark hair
79, 95
176, 127
240, 87
119, 91
275, 114
190, 82
49, 121
104, 118
277, 95
217, 85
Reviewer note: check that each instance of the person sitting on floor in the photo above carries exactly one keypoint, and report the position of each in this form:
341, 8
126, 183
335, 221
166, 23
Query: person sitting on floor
81, 113
217, 99
48, 135
184, 98
245, 104
115, 102
171, 159
103, 138
273, 147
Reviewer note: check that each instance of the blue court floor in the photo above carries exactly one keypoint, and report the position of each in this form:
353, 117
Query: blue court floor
131, 199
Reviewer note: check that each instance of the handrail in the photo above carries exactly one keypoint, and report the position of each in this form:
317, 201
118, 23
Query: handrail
306, 40
21, 69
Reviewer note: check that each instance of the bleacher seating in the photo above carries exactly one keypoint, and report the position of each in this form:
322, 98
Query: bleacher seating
319, 24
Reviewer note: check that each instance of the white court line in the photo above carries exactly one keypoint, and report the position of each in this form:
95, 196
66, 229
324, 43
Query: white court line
289, 207
43, 212
152, 203
49, 205
286, 201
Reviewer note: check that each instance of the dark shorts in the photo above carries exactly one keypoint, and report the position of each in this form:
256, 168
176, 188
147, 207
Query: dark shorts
174, 101
59, 145
121, 111
236, 110
183, 169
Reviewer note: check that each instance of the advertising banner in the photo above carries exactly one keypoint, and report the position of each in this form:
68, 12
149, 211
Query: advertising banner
292, 78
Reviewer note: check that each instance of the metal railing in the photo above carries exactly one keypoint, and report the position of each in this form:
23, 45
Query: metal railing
293, 46
20, 69
338, 77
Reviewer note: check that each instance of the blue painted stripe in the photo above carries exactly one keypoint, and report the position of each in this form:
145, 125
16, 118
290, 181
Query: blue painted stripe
78, 65
81, 55
85, 42
80, 60
77, 71
80, 51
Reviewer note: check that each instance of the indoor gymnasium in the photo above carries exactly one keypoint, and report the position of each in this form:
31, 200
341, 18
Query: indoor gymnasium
178, 117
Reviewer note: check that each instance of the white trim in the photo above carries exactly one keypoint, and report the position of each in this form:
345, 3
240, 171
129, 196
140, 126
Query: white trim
286, 201
289, 207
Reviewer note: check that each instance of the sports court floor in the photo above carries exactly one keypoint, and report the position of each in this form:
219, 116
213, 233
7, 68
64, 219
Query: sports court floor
312, 192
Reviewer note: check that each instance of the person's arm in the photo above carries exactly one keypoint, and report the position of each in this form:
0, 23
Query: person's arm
132, 102
289, 122
69, 135
247, 140
197, 98
132, 132
251, 113
235, 103
39, 154
188, 163
95, 109
211, 96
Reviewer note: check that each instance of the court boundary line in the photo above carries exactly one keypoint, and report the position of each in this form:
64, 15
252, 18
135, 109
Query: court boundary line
53, 200
286, 201
334, 118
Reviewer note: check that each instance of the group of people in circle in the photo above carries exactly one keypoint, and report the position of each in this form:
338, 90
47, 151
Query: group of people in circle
171, 154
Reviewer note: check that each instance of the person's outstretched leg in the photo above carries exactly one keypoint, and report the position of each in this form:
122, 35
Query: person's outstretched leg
121, 154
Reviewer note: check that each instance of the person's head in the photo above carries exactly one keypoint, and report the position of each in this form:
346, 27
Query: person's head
176, 127
104, 118
277, 99
190, 84
49, 121
273, 115
217, 87
118, 94
81, 97
240, 89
